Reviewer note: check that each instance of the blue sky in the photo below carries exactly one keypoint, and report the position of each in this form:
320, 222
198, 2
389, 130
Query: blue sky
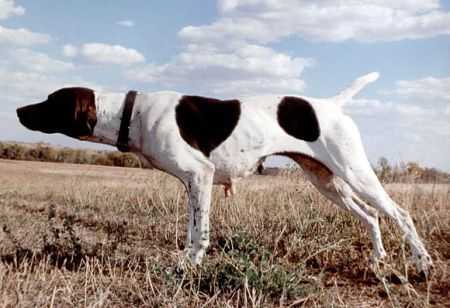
230, 48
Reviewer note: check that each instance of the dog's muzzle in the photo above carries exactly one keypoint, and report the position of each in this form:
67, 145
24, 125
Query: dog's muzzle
36, 117
29, 117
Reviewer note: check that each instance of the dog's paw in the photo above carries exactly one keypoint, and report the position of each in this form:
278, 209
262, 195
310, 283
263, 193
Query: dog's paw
190, 257
377, 257
378, 265
424, 263
196, 256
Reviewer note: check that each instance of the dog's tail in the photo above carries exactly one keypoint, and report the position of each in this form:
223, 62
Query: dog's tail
357, 86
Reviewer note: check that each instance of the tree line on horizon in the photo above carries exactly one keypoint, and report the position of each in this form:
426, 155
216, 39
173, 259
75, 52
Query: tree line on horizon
404, 172
45, 153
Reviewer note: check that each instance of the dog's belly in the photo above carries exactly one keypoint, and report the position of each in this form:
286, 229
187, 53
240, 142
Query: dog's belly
240, 155
238, 158
226, 172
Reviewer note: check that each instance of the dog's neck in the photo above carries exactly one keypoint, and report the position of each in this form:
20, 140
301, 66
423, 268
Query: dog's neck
109, 107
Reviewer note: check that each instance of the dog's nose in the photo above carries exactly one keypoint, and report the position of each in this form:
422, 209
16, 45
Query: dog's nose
20, 112
24, 117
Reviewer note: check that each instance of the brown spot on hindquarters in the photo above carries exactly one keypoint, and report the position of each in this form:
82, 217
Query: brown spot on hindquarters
205, 123
298, 118
322, 172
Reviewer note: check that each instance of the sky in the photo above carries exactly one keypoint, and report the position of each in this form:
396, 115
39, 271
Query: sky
231, 48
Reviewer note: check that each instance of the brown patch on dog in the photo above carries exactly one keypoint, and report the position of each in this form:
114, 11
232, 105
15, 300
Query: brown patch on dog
70, 111
322, 172
205, 123
297, 118
85, 110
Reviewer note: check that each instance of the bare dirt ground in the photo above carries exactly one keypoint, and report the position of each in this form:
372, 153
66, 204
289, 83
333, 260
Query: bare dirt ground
78, 235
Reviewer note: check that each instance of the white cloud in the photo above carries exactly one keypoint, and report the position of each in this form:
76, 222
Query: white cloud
430, 94
411, 122
425, 96
70, 51
21, 37
8, 8
232, 56
372, 107
262, 5
113, 54
235, 69
230, 29
429, 88
23, 86
126, 23
264, 21
27, 75
38, 62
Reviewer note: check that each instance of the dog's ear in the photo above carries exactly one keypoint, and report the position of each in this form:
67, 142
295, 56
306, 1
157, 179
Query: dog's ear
77, 107
85, 109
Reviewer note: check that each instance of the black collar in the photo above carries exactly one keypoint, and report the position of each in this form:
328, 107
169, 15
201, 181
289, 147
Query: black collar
124, 132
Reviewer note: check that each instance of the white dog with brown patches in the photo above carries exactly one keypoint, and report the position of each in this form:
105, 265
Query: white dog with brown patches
204, 141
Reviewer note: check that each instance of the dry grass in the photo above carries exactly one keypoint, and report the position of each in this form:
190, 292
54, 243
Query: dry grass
102, 236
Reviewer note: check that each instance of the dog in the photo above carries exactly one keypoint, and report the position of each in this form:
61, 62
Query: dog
204, 141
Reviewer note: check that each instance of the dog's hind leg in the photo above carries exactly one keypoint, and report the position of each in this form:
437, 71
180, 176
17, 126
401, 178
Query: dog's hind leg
342, 195
351, 164
367, 186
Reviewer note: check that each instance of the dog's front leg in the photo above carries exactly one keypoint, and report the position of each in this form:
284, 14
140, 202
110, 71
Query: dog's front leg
199, 187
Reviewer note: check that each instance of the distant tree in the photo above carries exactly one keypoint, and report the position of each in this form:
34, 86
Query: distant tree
130, 160
103, 160
383, 169
414, 170
31, 154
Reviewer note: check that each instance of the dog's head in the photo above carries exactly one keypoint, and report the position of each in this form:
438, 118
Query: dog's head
69, 111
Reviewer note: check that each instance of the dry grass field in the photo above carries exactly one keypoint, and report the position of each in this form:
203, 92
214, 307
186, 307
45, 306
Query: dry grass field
95, 236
